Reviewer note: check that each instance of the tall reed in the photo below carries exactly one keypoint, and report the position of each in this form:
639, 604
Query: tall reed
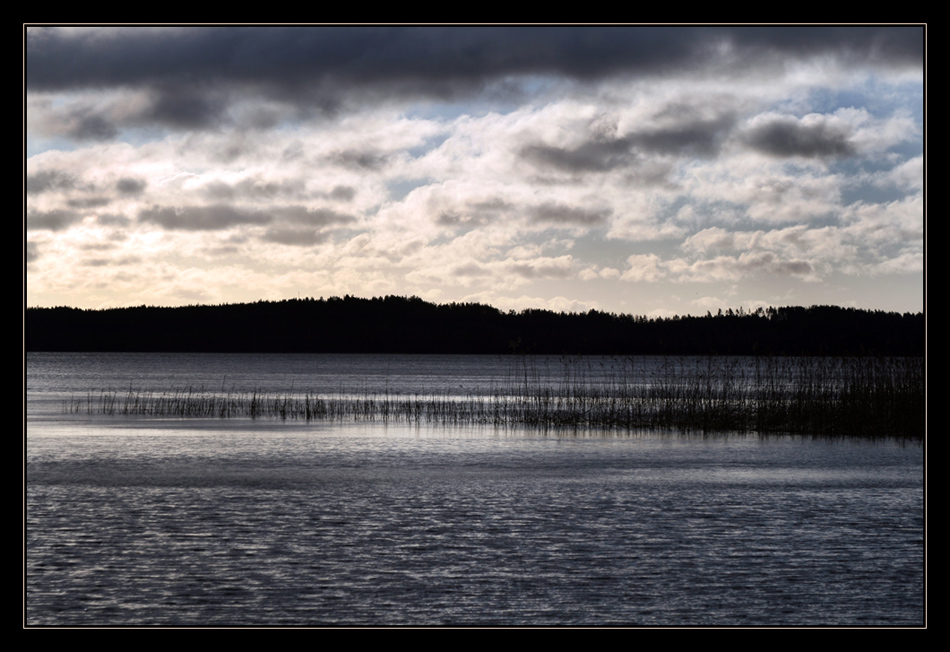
855, 397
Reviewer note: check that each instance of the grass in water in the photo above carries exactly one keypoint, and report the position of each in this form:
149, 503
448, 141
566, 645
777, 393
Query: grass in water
852, 397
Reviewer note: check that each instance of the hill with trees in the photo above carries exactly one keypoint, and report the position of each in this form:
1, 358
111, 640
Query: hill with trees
396, 324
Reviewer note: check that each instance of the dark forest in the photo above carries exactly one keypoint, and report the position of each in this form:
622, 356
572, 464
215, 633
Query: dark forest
410, 325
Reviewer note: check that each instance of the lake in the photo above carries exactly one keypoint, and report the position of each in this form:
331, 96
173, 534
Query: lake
137, 520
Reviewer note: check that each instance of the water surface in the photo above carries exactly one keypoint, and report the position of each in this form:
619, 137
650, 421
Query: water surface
135, 521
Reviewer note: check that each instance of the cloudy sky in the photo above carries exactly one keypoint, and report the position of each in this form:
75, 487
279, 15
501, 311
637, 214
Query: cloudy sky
644, 170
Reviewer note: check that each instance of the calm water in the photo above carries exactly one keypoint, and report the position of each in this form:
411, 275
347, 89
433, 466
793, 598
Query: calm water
240, 522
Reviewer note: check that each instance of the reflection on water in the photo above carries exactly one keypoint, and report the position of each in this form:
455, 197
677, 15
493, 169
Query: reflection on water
211, 522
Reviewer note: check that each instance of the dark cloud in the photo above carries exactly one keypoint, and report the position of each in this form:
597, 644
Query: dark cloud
255, 189
226, 250
343, 193
287, 59
786, 136
470, 269
267, 190
88, 202
193, 73
768, 262
687, 134
91, 126
492, 206
553, 213
360, 160
682, 131
109, 219
453, 218
97, 246
180, 106
897, 46
474, 213
315, 217
600, 155
49, 180
201, 218
32, 252
760, 263
224, 216
131, 187
426, 58
54, 180
112, 262
53, 220
650, 173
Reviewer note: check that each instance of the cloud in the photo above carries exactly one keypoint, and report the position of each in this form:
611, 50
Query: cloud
560, 267
908, 175
343, 193
881, 45
191, 75
299, 237
32, 252
107, 219
224, 216
473, 213
86, 126
311, 216
646, 267
746, 264
201, 218
365, 160
182, 106
810, 137
593, 156
131, 187
435, 159
430, 59
54, 220
799, 249
678, 129
111, 262
717, 239
684, 129
651, 268
470, 269
255, 189
88, 202
560, 214
907, 262
770, 191
49, 180
887, 223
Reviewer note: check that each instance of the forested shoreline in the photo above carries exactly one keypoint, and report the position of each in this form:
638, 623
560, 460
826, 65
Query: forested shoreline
395, 324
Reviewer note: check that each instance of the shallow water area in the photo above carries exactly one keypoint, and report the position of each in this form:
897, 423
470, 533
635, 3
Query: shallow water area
137, 521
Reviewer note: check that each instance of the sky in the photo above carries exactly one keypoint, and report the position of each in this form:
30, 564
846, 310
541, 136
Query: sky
646, 170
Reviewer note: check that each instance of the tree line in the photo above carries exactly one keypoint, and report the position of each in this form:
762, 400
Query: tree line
396, 324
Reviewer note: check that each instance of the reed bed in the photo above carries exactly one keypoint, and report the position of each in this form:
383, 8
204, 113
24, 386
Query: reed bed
853, 397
